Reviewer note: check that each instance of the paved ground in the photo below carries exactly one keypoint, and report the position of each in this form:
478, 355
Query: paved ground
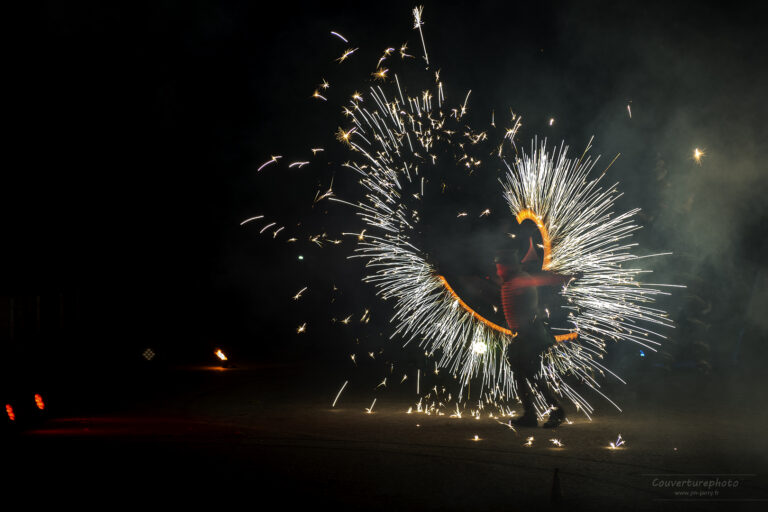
258, 433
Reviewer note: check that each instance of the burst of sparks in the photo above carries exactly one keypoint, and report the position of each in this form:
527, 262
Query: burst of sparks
369, 410
556, 442
606, 302
302, 328
319, 96
697, 155
529, 442
395, 138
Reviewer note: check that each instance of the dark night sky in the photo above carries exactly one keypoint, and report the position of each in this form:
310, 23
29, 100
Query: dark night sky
136, 131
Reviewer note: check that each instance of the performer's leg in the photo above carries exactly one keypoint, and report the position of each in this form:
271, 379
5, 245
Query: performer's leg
525, 373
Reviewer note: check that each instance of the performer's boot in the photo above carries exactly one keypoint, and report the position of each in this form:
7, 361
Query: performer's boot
556, 417
557, 414
528, 419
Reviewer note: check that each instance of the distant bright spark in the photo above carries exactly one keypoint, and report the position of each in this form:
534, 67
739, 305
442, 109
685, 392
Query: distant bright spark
268, 162
339, 393
246, 221
339, 36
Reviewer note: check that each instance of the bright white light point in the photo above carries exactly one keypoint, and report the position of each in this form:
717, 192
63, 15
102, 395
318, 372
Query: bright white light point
479, 347
697, 154
551, 121
301, 257
477, 438
221, 355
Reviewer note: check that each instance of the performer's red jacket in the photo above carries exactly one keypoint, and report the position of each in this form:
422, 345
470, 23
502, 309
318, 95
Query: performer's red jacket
519, 296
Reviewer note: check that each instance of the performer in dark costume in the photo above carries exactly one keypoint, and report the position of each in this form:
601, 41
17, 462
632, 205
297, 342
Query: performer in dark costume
522, 283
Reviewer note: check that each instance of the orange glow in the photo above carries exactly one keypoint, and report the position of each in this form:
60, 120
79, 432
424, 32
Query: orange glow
221, 355
559, 338
473, 312
39, 401
9, 412
566, 337
528, 214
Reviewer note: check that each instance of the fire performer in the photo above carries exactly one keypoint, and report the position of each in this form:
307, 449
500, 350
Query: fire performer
523, 283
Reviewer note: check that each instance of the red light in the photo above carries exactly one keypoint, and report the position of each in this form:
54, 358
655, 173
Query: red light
9, 412
39, 402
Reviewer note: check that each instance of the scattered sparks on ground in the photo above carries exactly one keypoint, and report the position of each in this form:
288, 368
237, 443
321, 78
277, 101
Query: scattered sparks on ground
556, 442
619, 442
369, 410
